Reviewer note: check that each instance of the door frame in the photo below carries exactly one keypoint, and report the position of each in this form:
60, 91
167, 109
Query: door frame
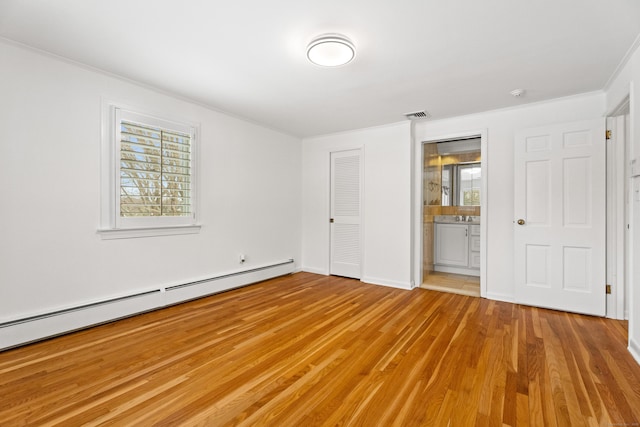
419, 204
619, 256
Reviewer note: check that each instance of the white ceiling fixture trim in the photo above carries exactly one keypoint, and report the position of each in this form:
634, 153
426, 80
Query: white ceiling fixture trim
331, 50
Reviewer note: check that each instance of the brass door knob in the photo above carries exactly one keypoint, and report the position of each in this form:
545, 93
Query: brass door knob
521, 222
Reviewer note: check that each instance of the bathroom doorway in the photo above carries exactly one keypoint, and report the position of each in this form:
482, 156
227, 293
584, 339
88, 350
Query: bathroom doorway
453, 190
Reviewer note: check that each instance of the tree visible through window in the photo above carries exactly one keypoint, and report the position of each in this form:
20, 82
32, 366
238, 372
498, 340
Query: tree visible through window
469, 183
149, 180
155, 171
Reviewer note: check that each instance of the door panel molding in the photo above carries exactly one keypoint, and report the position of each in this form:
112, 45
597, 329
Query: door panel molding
560, 222
346, 213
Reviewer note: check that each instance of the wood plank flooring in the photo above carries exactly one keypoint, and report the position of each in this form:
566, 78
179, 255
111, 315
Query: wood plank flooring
314, 350
454, 283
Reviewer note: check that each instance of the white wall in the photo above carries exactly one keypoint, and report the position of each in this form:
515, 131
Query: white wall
386, 202
250, 191
501, 126
50, 254
627, 83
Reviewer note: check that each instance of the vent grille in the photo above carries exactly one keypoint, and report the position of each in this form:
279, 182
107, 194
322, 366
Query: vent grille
418, 115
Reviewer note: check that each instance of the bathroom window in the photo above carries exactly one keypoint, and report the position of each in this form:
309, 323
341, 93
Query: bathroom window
469, 182
447, 183
461, 184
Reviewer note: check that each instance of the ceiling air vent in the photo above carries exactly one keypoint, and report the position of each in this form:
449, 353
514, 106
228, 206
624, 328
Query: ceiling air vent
417, 115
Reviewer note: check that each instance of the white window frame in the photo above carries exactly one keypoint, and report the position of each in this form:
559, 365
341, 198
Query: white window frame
113, 226
460, 191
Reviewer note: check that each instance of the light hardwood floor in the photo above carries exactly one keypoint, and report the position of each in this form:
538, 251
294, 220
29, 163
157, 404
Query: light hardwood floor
315, 350
454, 283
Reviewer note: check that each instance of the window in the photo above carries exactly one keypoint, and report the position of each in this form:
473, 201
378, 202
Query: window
153, 179
447, 185
461, 184
469, 184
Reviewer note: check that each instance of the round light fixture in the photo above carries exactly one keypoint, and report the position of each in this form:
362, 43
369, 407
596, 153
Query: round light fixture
331, 50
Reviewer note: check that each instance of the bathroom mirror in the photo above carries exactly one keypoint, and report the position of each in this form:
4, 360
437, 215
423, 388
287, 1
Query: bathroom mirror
461, 184
452, 173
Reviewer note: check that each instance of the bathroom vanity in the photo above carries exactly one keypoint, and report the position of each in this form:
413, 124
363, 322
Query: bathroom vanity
457, 244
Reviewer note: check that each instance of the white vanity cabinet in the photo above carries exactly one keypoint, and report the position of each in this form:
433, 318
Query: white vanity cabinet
474, 246
452, 245
457, 248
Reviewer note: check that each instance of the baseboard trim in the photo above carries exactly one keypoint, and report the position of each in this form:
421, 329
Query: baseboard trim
457, 270
390, 283
29, 329
634, 349
48, 326
315, 270
197, 289
500, 297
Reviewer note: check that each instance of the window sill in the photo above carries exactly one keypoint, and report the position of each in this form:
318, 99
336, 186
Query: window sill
133, 233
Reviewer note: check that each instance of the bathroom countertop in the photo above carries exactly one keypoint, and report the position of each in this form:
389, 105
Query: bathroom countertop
451, 219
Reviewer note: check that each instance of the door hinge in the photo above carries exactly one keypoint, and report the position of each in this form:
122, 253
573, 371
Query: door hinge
608, 134
608, 289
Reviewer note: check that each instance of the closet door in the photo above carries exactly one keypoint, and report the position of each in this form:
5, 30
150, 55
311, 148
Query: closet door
346, 190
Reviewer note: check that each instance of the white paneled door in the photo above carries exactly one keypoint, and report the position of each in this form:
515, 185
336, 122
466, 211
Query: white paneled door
346, 186
559, 226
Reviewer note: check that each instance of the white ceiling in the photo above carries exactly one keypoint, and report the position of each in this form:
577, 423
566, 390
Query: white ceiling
248, 57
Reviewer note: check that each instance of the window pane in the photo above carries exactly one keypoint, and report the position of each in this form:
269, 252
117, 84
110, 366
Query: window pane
470, 185
446, 186
155, 171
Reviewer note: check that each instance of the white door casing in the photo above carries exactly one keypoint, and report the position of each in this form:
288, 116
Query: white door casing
346, 207
617, 218
560, 245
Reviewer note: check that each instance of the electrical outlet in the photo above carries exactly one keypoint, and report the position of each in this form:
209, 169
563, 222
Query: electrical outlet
242, 258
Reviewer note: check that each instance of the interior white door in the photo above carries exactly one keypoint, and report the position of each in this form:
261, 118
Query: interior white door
559, 227
346, 177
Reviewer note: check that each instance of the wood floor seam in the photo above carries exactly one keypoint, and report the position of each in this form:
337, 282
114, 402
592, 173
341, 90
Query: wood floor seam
306, 349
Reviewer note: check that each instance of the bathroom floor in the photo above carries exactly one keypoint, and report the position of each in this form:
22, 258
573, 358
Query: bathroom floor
453, 283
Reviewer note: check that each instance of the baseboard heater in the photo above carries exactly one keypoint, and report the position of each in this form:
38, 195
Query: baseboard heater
28, 329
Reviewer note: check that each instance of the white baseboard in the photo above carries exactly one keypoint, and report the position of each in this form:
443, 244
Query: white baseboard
634, 349
315, 270
457, 270
366, 279
501, 297
390, 283
25, 330
34, 329
180, 293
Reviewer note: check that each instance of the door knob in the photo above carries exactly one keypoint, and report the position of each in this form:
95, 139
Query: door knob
521, 222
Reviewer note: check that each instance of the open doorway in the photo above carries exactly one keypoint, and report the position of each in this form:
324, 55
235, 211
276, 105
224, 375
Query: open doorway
452, 191
619, 212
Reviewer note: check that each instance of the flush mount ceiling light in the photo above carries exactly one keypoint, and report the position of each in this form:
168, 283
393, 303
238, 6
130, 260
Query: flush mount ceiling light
331, 50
